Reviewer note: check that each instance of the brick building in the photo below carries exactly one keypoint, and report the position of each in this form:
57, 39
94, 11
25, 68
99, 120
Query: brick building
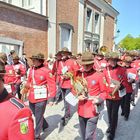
22, 30
49, 25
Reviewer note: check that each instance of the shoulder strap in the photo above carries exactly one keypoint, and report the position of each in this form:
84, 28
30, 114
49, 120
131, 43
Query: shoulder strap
109, 75
97, 63
33, 76
18, 104
62, 64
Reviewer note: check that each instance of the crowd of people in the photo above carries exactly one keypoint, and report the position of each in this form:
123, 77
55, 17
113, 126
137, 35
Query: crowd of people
91, 77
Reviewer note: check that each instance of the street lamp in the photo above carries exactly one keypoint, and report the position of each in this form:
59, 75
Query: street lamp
116, 36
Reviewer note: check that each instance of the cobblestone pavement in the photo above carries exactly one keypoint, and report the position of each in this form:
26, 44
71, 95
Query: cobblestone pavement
127, 130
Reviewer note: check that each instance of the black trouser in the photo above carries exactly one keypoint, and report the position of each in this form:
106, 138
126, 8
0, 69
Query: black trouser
17, 86
88, 127
136, 88
58, 93
112, 111
125, 105
66, 91
38, 110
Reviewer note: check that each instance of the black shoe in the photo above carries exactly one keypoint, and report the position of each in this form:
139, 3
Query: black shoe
56, 102
108, 130
65, 120
132, 103
46, 126
122, 114
110, 137
126, 118
37, 138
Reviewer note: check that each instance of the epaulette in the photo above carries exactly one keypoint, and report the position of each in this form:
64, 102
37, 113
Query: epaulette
17, 103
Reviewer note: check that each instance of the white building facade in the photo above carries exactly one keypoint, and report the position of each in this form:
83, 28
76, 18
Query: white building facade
91, 23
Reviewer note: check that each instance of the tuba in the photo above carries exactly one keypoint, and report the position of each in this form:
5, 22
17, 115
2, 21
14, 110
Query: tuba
103, 50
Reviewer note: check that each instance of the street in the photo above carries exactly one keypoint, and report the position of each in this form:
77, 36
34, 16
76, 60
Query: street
126, 130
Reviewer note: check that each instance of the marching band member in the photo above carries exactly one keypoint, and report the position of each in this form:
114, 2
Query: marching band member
15, 119
136, 64
115, 76
66, 65
131, 77
56, 72
41, 87
9, 76
19, 73
99, 62
90, 97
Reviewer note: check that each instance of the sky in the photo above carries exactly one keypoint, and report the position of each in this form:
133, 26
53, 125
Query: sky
128, 19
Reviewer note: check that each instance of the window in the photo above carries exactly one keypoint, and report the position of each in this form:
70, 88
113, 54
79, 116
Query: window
66, 36
27, 3
87, 46
89, 20
8, 1
6, 48
95, 47
97, 23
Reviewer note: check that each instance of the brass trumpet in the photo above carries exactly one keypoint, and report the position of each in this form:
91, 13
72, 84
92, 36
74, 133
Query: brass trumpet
116, 88
23, 92
79, 84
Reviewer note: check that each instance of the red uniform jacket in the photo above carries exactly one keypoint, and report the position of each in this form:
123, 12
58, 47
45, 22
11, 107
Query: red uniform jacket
22, 71
56, 71
10, 78
99, 65
16, 121
128, 85
42, 76
118, 73
96, 87
136, 64
71, 66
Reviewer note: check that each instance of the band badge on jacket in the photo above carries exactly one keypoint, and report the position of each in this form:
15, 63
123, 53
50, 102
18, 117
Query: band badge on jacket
93, 82
41, 78
24, 126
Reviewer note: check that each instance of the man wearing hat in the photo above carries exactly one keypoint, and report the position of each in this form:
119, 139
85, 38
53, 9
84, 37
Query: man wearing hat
57, 73
40, 87
136, 64
23, 60
66, 65
99, 62
115, 81
20, 71
9, 76
131, 77
10, 57
90, 99
15, 119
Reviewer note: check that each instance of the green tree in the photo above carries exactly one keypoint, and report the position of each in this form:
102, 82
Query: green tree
130, 43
